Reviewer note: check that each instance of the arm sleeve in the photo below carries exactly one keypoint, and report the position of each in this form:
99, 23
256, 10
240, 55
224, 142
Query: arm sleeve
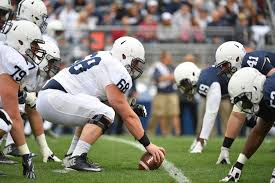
213, 100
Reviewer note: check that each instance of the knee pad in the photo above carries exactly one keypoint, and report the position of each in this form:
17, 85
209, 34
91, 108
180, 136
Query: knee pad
5, 121
102, 121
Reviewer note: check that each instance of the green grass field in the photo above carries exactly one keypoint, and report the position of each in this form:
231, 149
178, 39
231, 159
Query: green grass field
120, 162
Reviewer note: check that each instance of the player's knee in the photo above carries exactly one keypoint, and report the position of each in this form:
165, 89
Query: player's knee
101, 120
5, 121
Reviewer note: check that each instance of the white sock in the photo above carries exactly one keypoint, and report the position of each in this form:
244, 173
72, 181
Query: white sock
73, 144
24, 149
41, 140
9, 140
81, 147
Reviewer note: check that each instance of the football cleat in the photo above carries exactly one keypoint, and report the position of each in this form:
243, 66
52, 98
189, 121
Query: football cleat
5, 160
193, 145
272, 180
224, 156
198, 148
65, 161
28, 167
11, 150
81, 163
233, 175
2, 174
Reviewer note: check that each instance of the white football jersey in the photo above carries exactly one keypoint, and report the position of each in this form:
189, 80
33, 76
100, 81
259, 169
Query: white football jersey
92, 74
14, 64
2, 38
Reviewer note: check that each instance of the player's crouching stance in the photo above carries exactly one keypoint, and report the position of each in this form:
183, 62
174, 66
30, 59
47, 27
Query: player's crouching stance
17, 62
78, 95
252, 93
5, 127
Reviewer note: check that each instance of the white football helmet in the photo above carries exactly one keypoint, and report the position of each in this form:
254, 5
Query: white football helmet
55, 28
34, 11
5, 15
50, 64
25, 37
186, 75
246, 89
131, 54
229, 56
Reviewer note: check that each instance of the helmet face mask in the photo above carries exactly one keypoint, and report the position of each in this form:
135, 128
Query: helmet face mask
243, 101
187, 87
136, 68
35, 52
53, 66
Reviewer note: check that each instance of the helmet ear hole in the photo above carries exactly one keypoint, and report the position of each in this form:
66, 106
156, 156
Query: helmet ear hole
123, 56
20, 42
237, 59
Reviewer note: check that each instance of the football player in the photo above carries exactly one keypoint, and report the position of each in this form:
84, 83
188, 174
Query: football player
5, 18
213, 91
252, 93
264, 62
88, 93
36, 12
17, 62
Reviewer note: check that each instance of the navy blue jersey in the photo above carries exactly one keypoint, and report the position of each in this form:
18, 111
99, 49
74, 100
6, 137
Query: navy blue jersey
267, 104
263, 61
208, 76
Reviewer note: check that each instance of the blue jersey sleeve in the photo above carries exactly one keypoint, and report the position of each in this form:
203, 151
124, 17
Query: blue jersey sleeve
260, 60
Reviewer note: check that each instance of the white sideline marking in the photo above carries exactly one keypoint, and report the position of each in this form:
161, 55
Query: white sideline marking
169, 167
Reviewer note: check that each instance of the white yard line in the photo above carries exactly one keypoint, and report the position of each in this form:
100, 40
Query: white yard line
173, 171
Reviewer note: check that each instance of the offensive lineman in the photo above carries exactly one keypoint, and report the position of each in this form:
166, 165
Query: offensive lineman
36, 12
16, 63
87, 93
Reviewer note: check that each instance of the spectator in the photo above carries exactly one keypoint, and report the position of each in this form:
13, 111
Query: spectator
122, 30
147, 29
93, 18
182, 17
216, 21
242, 33
79, 5
152, 9
68, 18
166, 103
166, 31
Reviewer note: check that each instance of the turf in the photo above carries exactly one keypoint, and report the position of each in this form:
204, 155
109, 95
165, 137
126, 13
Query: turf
120, 163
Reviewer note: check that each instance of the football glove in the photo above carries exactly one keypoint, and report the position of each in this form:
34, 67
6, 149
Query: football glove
31, 99
139, 109
28, 167
272, 180
233, 175
224, 156
48, 156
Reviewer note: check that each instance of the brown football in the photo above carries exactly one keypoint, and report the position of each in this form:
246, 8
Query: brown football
147, 162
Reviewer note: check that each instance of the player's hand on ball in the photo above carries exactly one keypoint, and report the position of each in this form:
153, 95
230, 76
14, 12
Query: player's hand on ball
157, 152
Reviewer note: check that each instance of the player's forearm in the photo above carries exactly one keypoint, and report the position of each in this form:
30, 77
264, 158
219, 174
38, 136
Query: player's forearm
234, 124
17, 132
35, 120
134, 126
256, 137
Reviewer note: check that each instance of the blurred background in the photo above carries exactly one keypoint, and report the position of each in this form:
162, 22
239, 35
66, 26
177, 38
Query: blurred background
172, 31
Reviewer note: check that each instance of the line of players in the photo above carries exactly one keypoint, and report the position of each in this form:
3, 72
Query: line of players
252, 93
85, 95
